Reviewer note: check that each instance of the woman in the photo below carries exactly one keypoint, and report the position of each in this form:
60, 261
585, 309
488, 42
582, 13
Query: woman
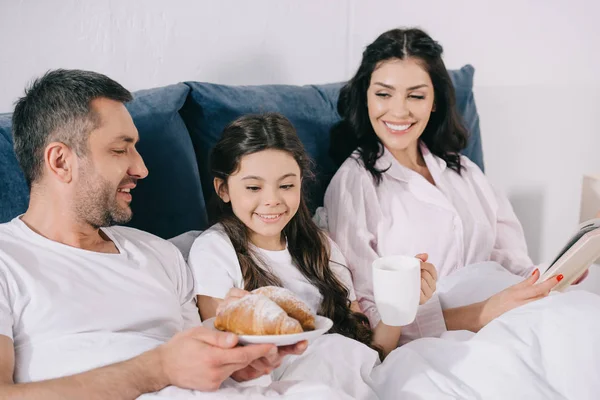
403, 187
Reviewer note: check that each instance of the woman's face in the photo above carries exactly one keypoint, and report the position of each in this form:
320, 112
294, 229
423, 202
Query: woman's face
400, 100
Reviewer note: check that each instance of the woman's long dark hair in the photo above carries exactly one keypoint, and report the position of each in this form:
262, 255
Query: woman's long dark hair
307, 244
444, 135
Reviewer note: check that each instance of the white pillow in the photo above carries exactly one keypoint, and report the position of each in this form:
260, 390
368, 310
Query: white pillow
184, 242
320, 218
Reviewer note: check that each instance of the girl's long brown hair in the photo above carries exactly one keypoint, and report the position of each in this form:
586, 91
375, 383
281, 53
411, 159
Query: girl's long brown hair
307, 244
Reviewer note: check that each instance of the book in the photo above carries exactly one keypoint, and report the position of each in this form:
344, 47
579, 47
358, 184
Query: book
582, 249
590, 197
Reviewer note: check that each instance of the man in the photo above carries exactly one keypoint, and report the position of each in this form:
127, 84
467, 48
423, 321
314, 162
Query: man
88, 310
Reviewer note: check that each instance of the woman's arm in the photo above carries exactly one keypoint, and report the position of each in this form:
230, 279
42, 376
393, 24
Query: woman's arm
475, 316
384, 336
387, 337
467, 318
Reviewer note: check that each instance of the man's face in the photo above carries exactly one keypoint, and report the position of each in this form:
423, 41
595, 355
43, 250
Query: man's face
110, 168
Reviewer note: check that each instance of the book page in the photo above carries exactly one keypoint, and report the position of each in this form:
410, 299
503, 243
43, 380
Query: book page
586, 227
576, 256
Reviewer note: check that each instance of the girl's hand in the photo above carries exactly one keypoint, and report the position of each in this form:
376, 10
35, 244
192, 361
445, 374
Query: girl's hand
233, 295
515, 296
428, 278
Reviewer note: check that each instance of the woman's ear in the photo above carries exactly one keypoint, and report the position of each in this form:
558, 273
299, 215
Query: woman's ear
221, 189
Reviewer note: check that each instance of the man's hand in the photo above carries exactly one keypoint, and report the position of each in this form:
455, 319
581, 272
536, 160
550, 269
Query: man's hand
201, 359
266, 365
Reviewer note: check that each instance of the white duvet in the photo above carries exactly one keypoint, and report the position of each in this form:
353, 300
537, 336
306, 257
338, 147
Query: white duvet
549, 349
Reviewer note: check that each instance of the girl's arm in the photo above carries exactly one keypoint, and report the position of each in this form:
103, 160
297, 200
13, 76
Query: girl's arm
215, 270
208, 306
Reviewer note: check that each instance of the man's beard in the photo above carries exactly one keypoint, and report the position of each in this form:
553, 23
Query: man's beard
97, 204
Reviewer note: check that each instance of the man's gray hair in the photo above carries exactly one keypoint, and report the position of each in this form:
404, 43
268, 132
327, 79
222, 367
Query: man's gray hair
56, 108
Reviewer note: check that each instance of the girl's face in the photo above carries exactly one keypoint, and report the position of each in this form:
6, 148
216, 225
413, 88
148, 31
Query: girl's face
400, 100
264, 194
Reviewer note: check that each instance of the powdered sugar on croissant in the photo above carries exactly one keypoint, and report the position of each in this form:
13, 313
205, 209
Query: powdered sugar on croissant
255, 314
291, 304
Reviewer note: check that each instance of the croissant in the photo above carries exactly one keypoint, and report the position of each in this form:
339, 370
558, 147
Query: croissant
255, 314
291, 304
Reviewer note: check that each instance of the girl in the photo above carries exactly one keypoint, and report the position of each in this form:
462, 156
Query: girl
403, 185
263, 233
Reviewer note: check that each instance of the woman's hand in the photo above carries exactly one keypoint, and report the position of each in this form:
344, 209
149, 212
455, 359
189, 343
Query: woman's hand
581, 278
515, 296
428, 278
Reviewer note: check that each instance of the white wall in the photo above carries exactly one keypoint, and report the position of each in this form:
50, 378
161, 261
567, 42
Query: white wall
537, 78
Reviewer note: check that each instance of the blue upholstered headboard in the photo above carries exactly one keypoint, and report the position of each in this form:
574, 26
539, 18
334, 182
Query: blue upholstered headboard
179, 124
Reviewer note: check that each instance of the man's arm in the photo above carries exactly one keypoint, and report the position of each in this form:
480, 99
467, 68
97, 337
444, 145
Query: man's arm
125, 380
198, 359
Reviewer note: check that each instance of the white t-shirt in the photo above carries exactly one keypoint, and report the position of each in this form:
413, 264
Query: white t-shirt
69, 310
216, 268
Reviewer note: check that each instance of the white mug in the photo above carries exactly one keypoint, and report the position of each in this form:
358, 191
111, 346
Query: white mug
397, 288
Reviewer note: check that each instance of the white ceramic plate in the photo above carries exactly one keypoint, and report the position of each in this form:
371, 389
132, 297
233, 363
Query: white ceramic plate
322, 325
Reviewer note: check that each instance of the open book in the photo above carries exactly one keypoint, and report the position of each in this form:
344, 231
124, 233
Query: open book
578, 254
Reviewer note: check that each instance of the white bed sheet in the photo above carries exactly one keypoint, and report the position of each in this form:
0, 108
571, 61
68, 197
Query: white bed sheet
549, 349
